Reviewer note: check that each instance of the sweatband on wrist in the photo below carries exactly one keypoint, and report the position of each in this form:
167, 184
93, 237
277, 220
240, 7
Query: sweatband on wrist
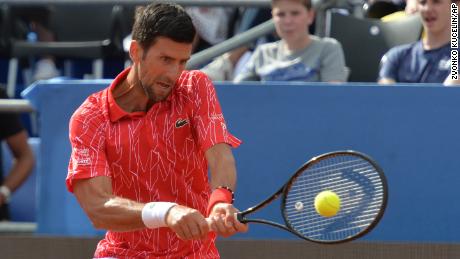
6, 192
154, 214
221, 194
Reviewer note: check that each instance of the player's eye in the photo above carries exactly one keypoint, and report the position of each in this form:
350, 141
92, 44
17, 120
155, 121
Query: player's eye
166, 59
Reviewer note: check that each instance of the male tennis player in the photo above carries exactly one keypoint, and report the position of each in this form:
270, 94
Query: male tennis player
141, 149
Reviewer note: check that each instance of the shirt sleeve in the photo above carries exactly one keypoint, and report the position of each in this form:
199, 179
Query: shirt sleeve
389, 65
209, 125
87, 140
333, 67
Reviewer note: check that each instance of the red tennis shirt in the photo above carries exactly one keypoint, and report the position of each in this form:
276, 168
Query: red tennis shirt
158, 155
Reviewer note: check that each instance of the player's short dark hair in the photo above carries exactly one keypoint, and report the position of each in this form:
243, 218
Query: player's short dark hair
162, 20
306, 3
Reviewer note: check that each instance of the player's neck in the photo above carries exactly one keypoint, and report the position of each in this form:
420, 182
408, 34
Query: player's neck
436, 40
129, 95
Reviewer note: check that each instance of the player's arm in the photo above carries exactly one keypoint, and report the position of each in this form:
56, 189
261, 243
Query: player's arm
89, 177
23, 162
222, 166
223, 174
107, 211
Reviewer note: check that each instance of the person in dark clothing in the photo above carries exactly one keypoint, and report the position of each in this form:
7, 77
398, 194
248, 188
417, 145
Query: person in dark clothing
15, 136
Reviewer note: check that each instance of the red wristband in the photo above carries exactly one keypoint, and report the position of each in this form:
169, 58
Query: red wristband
220, 194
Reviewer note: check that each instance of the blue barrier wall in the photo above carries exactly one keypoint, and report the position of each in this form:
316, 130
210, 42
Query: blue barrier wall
412, 131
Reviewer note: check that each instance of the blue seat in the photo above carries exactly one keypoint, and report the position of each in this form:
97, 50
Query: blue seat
82, 34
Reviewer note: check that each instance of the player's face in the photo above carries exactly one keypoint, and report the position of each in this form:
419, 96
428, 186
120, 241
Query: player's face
435, 15
291, 19
160, 66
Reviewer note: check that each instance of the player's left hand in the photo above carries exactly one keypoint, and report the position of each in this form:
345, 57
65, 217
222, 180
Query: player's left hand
222, 220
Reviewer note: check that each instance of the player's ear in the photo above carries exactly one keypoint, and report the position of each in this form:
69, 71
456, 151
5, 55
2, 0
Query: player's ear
135, 51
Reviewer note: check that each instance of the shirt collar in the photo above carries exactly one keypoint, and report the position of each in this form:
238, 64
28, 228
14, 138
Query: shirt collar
115, 111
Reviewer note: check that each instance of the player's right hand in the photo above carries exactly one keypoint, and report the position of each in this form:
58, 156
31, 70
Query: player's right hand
222, 220
187, 223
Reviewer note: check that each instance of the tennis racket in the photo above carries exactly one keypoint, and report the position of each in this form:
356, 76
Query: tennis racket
353, 176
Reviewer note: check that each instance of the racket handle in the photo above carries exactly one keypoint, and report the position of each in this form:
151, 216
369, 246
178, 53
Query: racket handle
238, 216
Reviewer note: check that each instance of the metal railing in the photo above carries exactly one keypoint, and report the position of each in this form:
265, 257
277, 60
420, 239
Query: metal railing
15, 106
203, 57
251, 35
144, 2
17, 228
239, 40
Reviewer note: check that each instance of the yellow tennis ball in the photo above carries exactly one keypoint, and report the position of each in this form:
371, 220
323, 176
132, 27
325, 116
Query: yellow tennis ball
327, 203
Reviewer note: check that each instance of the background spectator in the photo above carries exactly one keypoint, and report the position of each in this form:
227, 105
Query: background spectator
226, 66
212, 25
16, 137
34, 20
298, 56
425, 61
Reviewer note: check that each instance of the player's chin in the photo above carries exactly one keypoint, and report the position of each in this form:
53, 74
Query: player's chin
161, 95
166, 91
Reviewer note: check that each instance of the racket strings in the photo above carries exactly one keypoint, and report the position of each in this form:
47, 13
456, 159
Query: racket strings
312, 180
355, 180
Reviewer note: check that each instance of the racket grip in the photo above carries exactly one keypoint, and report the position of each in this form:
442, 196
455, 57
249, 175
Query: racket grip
238, 216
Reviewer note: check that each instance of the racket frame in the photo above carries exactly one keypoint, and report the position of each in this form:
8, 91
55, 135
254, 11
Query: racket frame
241, 216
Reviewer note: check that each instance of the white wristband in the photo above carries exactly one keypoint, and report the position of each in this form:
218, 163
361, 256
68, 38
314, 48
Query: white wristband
6, 192
154, 214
